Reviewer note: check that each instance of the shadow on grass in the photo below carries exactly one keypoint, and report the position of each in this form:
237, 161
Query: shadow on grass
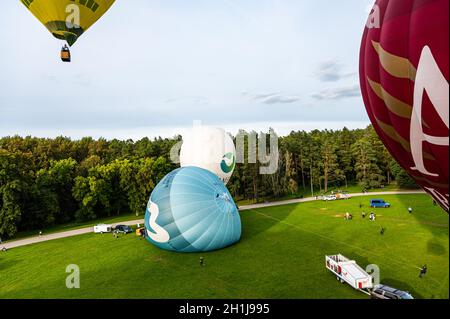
362, 261
436, 248
6, 263
426, 219
251, 220
402, 286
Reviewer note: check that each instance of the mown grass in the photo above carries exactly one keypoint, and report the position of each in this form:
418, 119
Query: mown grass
281, 255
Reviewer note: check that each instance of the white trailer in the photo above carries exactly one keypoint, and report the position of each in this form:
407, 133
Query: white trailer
103, 228
348, 271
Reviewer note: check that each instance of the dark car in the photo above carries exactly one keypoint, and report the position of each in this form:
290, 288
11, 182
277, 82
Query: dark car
386, 292
124, 229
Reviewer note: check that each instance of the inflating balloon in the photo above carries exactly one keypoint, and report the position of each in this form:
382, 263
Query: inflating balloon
68, 19
191, 210
209, 148
404, 74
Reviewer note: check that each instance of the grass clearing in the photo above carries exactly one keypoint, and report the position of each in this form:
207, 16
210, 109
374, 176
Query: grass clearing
281, 255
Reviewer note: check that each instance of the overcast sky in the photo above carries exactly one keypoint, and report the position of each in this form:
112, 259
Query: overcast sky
152, 67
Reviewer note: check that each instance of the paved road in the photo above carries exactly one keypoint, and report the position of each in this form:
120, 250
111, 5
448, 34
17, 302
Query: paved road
75, 232
311, 199
70, 233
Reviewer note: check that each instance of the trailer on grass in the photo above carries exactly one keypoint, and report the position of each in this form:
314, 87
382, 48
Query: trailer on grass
348, 271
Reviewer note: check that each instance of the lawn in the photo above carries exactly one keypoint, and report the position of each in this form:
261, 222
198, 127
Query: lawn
281, 255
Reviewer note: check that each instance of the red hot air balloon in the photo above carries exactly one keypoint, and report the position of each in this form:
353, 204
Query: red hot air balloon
404, 74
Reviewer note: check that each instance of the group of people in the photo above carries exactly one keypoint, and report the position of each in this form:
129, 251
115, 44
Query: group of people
372, 216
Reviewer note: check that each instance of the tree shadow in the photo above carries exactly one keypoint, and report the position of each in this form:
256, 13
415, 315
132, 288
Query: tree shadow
6, 263
257, 221
435, 248
431, 220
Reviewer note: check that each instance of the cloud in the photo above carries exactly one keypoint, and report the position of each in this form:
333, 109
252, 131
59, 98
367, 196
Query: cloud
338, 93
331, 71
273, 98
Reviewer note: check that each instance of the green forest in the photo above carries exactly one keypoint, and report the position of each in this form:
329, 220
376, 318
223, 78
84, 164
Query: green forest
46, 182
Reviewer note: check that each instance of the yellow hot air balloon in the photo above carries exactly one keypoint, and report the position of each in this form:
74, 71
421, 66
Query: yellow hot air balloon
68, 19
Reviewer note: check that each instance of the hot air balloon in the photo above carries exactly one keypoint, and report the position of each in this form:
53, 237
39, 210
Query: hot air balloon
68, 19
209, 148
191, 210
404, 74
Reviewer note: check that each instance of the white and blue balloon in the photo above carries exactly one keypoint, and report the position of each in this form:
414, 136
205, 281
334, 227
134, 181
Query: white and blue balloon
209, 148
191, 210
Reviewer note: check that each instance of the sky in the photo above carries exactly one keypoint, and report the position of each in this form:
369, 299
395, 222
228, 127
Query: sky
153, 67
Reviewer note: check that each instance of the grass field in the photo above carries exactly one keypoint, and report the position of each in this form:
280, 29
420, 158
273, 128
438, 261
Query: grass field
281, 255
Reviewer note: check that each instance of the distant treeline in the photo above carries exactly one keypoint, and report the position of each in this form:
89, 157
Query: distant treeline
45, 182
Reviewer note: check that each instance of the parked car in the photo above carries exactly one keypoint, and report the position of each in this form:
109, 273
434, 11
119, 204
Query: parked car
342, 196
124, 229
386, 292
102, 228
379, 203
329, 197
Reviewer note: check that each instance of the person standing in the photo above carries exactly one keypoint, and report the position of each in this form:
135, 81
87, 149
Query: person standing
202, 261
410, 210
423, 271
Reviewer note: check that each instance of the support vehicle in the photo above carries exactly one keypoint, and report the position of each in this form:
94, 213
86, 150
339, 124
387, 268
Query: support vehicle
103, 228
348, 271
123, 229
386, 292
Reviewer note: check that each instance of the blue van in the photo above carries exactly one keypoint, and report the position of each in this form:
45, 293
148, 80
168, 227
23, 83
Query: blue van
379, 203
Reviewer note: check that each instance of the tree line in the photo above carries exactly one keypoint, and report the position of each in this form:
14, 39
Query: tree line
46, 182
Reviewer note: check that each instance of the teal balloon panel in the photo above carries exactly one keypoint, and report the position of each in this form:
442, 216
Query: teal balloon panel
191, 210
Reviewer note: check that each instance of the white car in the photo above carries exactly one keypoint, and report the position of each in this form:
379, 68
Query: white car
329, 197
343, 196
103, 228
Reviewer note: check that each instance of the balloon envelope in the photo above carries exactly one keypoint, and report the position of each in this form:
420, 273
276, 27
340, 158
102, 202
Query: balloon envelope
68, 19
191, 210
209, 148
404, 74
